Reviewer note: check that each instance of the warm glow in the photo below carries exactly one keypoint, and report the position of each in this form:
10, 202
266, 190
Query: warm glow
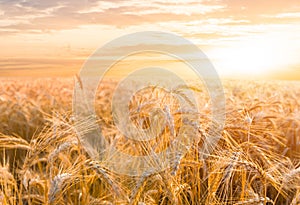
253, 57
242, 38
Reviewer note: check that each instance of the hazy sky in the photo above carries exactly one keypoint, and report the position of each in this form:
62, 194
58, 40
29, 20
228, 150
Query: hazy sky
241, 37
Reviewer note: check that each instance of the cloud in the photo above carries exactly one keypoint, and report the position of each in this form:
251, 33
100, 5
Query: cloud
288, 15
37, 29
44, 15
218, 18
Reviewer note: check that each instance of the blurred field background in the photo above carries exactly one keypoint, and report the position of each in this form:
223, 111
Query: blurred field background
257, 160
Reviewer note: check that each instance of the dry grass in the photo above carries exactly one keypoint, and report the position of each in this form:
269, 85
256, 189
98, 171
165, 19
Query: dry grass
257, 160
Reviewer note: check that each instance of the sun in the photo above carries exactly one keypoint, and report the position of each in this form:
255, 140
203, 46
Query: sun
253, 58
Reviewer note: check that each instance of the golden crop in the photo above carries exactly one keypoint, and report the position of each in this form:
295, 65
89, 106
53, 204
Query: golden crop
257, 160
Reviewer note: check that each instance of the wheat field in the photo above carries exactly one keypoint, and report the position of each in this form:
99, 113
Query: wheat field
256, 161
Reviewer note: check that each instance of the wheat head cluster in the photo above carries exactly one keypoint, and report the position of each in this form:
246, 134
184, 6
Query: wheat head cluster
256, 160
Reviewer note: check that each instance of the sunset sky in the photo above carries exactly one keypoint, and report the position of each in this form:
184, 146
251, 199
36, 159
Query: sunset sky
241, 37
